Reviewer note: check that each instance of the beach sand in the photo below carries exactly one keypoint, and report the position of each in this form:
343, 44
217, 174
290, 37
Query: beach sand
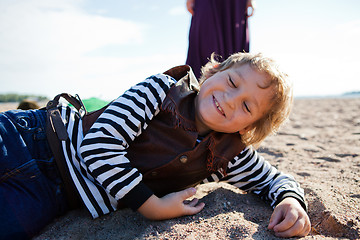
319, 146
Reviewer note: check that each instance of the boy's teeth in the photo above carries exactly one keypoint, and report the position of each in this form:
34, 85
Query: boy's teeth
218, 107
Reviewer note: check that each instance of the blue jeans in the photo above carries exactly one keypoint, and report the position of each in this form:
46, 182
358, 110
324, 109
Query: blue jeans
31, 193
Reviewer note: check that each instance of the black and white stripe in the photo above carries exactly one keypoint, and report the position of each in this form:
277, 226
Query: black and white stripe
97, 163
250, 172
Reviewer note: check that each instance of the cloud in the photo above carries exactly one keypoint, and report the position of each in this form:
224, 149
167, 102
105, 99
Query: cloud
47, 41
348, 37
178, 11
321, 60
60, 30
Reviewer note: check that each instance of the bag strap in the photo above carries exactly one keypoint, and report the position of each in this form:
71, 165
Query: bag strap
54, 115
56, 132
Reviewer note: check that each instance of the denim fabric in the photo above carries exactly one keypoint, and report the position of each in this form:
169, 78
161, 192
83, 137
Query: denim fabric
30, 186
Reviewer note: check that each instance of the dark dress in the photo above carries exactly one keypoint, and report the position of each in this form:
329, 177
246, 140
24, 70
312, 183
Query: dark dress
218, 26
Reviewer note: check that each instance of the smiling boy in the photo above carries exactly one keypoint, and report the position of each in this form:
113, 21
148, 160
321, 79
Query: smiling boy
155, 142
235, 97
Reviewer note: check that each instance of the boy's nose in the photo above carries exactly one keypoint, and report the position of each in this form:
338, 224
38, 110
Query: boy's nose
232, 99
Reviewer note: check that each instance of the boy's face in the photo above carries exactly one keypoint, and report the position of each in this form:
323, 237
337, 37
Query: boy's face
232, 100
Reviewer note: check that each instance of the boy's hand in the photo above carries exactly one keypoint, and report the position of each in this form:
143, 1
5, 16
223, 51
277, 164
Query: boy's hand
289, 219
171, 206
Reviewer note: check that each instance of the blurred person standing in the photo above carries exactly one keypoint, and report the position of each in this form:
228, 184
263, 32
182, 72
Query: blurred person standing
217, 26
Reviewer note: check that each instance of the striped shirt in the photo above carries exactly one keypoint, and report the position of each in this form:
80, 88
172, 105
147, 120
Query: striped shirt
103, 174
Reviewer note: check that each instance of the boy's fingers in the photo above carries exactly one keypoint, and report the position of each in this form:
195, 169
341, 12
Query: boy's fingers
288, 222
185, 194
298, 229
191, 210
192, 203
191, 207
276, 217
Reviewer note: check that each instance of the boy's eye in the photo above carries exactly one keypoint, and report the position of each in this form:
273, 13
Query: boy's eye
231, 82
246, 107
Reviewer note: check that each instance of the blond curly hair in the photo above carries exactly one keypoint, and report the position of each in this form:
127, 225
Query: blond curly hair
281, 101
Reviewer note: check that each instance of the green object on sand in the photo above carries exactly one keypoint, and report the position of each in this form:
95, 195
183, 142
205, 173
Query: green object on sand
92, 104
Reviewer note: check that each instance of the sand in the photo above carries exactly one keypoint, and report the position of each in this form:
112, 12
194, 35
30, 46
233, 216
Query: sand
319, 146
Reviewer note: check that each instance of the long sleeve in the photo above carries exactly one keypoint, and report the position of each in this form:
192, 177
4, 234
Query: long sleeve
104, 146
250, 172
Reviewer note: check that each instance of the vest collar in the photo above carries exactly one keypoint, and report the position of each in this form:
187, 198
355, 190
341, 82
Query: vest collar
181, 96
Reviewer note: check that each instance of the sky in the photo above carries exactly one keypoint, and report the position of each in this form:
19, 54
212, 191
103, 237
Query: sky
99, 48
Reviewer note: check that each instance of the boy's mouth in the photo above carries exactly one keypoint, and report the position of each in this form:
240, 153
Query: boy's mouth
218, 106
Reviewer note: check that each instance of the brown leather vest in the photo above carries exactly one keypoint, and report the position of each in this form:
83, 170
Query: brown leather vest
167, 154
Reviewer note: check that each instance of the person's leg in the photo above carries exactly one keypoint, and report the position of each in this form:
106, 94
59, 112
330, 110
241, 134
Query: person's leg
30, 186
218, 27
203, 38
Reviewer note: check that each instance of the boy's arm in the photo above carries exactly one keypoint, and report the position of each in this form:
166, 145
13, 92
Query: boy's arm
104, 147
250, 172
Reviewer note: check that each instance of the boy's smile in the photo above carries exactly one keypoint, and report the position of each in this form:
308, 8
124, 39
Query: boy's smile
218, 106
232, 100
